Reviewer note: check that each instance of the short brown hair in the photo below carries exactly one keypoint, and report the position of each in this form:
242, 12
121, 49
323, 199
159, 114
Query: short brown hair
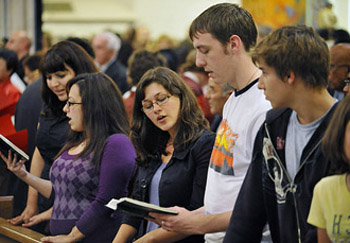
224, 20
296, 48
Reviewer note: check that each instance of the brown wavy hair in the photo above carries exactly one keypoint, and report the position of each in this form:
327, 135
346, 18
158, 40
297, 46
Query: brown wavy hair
148, 139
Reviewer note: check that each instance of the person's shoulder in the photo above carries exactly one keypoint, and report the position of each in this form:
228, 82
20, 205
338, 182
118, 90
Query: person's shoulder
331, 180
207, 137
207, 134
118, 138
329, 184
33, 90
276, 114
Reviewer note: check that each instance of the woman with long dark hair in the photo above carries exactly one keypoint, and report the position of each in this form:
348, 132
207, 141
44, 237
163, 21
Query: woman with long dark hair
95, 165
61, 63
173, 144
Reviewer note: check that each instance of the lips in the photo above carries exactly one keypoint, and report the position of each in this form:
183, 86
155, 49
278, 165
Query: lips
161, 118
60, 92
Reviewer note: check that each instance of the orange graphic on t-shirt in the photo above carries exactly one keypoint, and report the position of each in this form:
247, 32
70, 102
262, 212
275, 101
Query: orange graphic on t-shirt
222, 158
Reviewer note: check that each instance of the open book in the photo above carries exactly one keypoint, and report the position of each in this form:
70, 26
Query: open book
137, 208
6, 145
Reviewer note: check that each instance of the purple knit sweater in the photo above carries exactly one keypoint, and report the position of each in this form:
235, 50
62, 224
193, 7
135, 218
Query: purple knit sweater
81, 193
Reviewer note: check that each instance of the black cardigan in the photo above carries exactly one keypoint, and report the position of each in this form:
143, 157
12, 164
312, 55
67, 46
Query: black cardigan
182, 183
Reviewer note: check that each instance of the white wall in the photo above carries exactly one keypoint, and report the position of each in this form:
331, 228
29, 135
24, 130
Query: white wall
172, 17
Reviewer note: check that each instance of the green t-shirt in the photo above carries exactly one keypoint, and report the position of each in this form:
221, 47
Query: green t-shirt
330, 208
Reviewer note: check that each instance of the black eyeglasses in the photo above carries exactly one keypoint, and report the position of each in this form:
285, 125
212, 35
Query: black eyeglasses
149, 105
338, 66
69, 103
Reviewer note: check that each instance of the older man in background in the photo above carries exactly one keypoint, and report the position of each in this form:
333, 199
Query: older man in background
217, 95
106, 46
20, 43
339, 72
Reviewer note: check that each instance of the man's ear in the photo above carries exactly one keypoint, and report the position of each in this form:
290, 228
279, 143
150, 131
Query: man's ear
234, 43
290, 78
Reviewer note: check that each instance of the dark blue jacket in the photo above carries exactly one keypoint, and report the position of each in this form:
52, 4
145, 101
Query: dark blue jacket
269, 194
182, 182
117, 72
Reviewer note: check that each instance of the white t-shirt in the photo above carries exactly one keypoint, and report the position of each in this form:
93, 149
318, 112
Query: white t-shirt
243, 115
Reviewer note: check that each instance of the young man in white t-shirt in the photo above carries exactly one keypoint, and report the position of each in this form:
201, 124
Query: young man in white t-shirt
223, 36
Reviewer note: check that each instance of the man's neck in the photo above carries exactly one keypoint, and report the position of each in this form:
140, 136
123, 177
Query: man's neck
311, 105
246, 72
105, 66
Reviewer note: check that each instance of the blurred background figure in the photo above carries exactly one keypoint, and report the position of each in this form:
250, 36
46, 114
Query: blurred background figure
339, 71
84, 44
197, 79
27, 117
31, 68
46, 41
326, 17
127, 49
217, 96
139, 63
142, 38
164, 42
340, 36
263, 31
9, 94
20, 43
106, 46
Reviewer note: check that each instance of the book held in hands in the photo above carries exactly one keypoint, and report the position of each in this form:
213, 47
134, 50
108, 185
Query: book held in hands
6, 145
137, 208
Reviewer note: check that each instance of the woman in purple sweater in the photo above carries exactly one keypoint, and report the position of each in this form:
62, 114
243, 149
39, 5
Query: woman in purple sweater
96, 164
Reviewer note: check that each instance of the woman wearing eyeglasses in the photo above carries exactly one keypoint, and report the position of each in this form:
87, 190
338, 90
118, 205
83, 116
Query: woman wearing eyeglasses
173, 147
61, 63
95, 165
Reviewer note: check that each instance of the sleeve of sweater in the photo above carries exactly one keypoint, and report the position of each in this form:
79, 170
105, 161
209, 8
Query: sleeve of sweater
117, 169
136, 194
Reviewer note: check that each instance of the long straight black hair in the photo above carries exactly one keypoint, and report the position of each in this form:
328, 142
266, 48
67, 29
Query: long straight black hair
103, 114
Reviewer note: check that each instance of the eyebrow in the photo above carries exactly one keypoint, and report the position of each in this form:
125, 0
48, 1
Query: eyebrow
200, 47
153, 96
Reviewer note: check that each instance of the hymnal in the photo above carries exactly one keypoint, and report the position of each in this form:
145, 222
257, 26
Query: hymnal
137, 208
6, 145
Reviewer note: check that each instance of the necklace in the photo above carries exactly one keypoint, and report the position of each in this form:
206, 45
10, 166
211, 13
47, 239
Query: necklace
250, 78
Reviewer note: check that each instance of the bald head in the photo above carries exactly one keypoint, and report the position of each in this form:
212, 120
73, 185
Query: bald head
340, 66
20, 43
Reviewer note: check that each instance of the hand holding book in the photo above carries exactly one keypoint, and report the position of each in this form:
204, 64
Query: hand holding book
15, 166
